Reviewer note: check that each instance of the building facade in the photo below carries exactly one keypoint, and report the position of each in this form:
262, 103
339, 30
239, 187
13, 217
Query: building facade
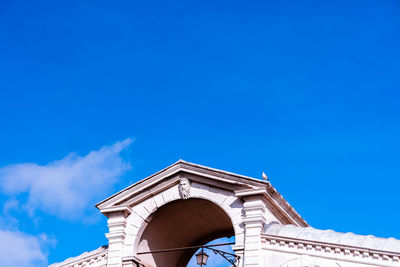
188, 205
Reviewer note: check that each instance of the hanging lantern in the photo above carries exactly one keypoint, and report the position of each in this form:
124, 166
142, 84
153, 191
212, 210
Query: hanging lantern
202, 258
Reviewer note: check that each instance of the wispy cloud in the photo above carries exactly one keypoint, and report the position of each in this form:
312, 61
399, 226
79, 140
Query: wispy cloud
67, 187
20, 249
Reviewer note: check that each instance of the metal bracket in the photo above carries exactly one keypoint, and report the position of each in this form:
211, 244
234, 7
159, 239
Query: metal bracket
231, 258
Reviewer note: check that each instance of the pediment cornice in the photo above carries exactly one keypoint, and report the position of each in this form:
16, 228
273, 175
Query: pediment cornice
241, 186
170, 176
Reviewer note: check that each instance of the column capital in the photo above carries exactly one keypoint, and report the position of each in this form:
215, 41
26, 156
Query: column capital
116, 211
254, 208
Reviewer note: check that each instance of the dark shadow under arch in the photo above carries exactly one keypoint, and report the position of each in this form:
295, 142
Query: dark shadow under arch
182, 223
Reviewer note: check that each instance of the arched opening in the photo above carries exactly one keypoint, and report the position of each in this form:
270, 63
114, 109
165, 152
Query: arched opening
182, 223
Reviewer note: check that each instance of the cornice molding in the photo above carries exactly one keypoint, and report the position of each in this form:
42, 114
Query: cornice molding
277, 203
124, 210
86, 259
359, 253
243, 186
182, 166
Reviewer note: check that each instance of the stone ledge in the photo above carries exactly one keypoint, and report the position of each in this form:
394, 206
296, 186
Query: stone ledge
330, 248
98, 256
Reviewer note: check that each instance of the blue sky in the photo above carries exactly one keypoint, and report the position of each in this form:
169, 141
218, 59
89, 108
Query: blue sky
101, 94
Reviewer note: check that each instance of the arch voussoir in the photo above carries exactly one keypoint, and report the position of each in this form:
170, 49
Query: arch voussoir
143, 212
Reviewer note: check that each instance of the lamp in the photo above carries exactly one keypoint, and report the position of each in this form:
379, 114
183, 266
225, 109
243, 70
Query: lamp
202, 258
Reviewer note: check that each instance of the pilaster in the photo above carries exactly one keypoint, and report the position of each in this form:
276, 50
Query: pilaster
116, 235
254, 219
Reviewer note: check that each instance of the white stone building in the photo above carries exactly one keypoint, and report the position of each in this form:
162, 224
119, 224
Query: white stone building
187, 205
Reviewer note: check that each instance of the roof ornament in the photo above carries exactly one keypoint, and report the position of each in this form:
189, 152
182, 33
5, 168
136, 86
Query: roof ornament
184, 188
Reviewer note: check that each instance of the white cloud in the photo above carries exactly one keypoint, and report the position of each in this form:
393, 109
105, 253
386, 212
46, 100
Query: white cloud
68, 187
19, 249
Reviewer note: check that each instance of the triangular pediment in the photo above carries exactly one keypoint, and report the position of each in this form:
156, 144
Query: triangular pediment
241, 186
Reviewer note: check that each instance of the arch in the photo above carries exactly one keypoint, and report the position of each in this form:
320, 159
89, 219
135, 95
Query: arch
181, 223
142, 212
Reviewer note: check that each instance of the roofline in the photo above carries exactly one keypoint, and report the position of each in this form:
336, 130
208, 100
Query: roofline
184, 166
93, 254
179, 162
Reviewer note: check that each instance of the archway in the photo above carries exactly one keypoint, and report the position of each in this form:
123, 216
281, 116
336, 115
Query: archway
181, 223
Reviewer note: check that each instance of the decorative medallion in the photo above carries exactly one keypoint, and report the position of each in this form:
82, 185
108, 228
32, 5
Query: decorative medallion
184, 188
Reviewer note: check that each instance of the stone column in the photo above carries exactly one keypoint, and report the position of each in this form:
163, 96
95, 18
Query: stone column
254, 219
116, 235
